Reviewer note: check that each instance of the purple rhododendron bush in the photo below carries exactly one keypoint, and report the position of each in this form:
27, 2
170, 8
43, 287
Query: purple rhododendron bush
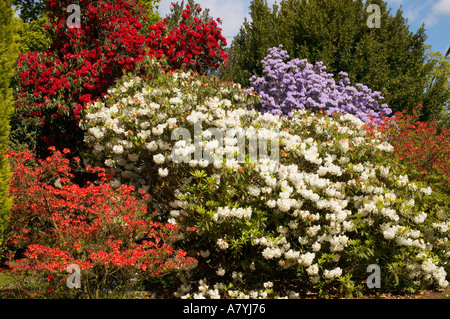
289, 85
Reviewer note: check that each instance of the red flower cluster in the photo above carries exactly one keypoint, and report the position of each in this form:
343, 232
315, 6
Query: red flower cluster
96, 227
424, 151
82, 63
193, 44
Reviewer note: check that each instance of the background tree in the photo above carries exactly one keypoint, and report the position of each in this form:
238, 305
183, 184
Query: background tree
390, 59
152, 12
8, 54
438, 87
30, 10
251, 44
31, 36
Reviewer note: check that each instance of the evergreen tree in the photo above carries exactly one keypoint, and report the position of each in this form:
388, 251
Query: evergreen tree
31, 36
438, 87
251, 44
8, 54
390, 59
152, 16
30, 10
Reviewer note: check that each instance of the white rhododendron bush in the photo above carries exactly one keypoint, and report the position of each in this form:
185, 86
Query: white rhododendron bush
308, 212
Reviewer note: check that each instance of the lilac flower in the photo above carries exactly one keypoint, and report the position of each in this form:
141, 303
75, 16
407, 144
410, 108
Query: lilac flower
289, 85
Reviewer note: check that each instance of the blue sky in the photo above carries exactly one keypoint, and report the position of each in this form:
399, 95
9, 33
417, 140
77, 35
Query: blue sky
434, 13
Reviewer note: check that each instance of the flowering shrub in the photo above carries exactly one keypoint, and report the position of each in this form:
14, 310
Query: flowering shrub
82, 63
106, 232
297, 85
424, 152
327, 203
195, 44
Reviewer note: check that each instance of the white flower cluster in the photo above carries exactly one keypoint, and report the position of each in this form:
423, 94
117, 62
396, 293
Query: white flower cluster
219, 290
438, 273
224, 213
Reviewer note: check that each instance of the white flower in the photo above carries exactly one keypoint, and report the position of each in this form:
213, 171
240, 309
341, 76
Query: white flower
220, 271
316, 246
270, 253
163, 172
222, 243
358, 168
109, 162
427, 191
152, 146
420, 218
402, 180
96, 132
159, 159
388, 212
158, 130
271, 203
175, 213
118, 149
268, 284
384, 171
115, 183
175, 101
385, 147
253, 190
389, 232
313, 230
306, 259
343, 145
204, 253
172, 221
330, 274
313, 270
291, 254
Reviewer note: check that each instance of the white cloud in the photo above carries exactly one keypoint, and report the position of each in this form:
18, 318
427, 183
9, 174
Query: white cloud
440, 9
443, 6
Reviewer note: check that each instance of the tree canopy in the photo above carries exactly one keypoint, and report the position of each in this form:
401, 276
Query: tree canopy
389, 58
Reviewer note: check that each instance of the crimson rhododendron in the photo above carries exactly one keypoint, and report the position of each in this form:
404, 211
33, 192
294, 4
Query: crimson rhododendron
82, 63
106, 232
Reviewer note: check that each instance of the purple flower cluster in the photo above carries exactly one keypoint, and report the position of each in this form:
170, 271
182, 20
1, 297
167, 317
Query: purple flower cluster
296, 84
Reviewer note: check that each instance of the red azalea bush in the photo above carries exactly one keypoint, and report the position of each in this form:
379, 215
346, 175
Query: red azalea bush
82, 63
421, 148
106, 232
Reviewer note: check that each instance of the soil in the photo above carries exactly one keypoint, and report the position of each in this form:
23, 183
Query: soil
422, 294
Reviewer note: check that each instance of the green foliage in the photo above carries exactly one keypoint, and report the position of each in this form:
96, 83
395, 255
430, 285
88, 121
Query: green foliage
31, 36
390, 59
153, 16
8, 54
251, 44
438, 88
30, 9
